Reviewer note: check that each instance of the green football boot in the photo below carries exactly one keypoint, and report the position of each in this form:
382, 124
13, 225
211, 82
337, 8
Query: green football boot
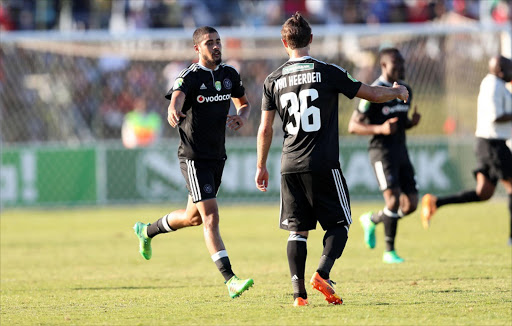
237, 286
369, 229
144, 241
390, 257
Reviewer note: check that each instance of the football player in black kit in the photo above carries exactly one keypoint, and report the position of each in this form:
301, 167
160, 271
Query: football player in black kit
304, 92
200, 101
387, 122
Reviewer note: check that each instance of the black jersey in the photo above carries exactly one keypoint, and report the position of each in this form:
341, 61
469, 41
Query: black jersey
208, 94
378, 113
305, 92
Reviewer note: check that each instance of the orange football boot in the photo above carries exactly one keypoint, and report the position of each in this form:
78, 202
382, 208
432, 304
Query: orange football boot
300, 302
326, 288
428, 208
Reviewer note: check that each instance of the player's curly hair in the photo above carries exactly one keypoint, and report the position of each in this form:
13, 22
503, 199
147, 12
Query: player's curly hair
200, 31
296, 31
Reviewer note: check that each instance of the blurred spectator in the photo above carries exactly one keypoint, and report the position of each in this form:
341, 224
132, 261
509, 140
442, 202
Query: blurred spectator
501, 11
6, 23
140, 127
124, 15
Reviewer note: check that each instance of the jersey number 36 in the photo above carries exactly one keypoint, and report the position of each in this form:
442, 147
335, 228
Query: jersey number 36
306, 117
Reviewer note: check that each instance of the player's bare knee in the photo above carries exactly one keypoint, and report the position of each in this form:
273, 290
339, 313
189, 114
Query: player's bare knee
211, 222
196, 220
484, 194
392, 203
409, 207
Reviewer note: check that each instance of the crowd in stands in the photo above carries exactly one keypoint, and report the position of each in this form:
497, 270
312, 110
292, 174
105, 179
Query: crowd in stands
97, 93
142, 14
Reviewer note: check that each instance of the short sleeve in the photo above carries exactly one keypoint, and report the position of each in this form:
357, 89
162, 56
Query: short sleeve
267, 100
238, 87
183, 84
344, 82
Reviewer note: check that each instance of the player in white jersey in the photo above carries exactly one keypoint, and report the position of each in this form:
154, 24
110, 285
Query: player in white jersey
304, 92
493, 129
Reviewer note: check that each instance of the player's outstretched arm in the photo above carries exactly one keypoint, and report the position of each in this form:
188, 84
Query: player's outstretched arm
264, 140
357, 126
174, 113
243, 109
381, 94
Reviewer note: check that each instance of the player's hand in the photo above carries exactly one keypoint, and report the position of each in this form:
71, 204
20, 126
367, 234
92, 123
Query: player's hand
404, 93
261, 179
174, 116
415, 116
235, 122
389, 127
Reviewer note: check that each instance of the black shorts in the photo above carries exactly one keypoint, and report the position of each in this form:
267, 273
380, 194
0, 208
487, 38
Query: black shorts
393, 169
310, 197
203, 177
494, 159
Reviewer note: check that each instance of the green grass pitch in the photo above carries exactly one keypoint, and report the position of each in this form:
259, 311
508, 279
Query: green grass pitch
82, 267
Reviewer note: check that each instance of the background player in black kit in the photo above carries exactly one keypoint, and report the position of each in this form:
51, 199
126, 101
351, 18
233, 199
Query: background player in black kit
304, 91
200, 101
387, 122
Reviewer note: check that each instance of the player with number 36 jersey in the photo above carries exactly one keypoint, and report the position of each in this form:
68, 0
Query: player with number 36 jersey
304, 91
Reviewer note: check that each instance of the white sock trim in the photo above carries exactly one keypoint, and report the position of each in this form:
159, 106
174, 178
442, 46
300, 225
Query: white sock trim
220, 254
390, 213
297, 237
165, 223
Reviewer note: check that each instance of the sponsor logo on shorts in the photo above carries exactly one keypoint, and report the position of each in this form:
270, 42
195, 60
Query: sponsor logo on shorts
216, 98
208, 188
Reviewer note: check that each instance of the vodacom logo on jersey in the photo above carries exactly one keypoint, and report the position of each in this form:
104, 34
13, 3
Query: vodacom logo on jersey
216, 98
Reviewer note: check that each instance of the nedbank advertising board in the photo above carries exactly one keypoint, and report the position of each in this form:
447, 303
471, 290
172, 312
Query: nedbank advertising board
110, 174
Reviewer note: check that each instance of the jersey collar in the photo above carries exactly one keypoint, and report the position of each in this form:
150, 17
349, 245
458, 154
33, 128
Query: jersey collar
300, 59
383, 80
207, 69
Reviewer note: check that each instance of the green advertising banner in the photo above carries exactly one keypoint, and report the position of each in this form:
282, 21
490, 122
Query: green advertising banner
41, 175
110, 174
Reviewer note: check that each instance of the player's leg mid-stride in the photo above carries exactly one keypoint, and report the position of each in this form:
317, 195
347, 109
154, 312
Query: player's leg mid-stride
144, 241
237, 286
428, 208
369, 229
326, 287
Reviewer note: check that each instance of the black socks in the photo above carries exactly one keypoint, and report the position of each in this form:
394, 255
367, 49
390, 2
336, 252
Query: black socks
390, 220
221, 259
160, 226
334, 244
461, 197
297, 252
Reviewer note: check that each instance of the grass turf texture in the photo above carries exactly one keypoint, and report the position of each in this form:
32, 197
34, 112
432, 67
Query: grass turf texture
82, 267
